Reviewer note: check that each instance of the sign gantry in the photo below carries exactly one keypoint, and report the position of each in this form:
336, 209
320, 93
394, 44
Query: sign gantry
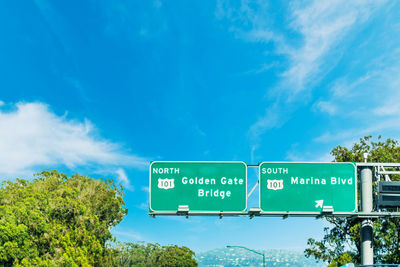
220, 188
285, 189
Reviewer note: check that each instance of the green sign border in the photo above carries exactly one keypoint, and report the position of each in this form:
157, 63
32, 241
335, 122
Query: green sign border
151, 211
306, 212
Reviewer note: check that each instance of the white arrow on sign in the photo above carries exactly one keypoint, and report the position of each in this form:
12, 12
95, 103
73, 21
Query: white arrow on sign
319, 203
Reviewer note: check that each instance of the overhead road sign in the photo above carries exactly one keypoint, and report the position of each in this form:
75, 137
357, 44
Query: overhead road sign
307, 188
191, 187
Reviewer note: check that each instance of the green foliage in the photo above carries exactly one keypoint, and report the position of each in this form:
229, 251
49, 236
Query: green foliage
380, 151
58, 220
341, 242
140, 254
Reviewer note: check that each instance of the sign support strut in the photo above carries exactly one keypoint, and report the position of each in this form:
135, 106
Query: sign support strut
367, 250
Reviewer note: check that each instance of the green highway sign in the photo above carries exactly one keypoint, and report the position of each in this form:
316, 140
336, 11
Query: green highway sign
307, 187
200, 186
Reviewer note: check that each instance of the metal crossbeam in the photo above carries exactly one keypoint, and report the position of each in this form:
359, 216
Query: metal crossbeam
257, 213
376, 164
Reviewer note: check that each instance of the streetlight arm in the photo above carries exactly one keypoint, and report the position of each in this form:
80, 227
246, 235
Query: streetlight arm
247, 249
259, 253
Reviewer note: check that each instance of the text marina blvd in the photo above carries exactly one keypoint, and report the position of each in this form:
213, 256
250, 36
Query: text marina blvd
307, 187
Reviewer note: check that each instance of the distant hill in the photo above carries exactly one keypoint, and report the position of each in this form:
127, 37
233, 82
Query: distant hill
240, 257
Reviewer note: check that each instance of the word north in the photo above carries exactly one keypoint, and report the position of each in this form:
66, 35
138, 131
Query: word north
323, 181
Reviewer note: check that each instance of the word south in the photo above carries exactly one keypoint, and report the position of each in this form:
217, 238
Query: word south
312, 180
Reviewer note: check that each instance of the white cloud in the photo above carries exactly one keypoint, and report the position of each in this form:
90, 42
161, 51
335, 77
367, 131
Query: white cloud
144, 206
370, 103
388, 104
322, 28
350, 135
344, 88
123, 178
128, 235
365, 98
271, 119
263, 68
122, 17
33, 137
391, 109
327, 107
298, 154
145, 189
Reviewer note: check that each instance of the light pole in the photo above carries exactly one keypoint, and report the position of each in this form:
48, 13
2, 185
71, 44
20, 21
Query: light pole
259, 253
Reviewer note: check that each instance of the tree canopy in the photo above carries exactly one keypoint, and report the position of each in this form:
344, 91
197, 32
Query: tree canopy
56, 220
141, 254
341, 242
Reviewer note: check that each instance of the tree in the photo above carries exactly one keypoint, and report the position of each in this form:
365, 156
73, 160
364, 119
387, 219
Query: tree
141, 254
341, 242
58, 220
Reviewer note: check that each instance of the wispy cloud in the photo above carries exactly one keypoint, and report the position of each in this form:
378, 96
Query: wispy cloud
123, 178
124, 18
272, 118
59, 26
323, 27
145, 189
316, 37
143, 206
33, 137
369, 104
297, 154
352, 134
128, 235
388, 109
326, 106
261, 69
248, 20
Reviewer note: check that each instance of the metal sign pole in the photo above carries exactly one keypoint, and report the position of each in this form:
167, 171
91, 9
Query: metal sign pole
367, 250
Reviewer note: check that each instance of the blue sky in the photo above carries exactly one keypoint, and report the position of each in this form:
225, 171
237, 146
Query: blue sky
104, 87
